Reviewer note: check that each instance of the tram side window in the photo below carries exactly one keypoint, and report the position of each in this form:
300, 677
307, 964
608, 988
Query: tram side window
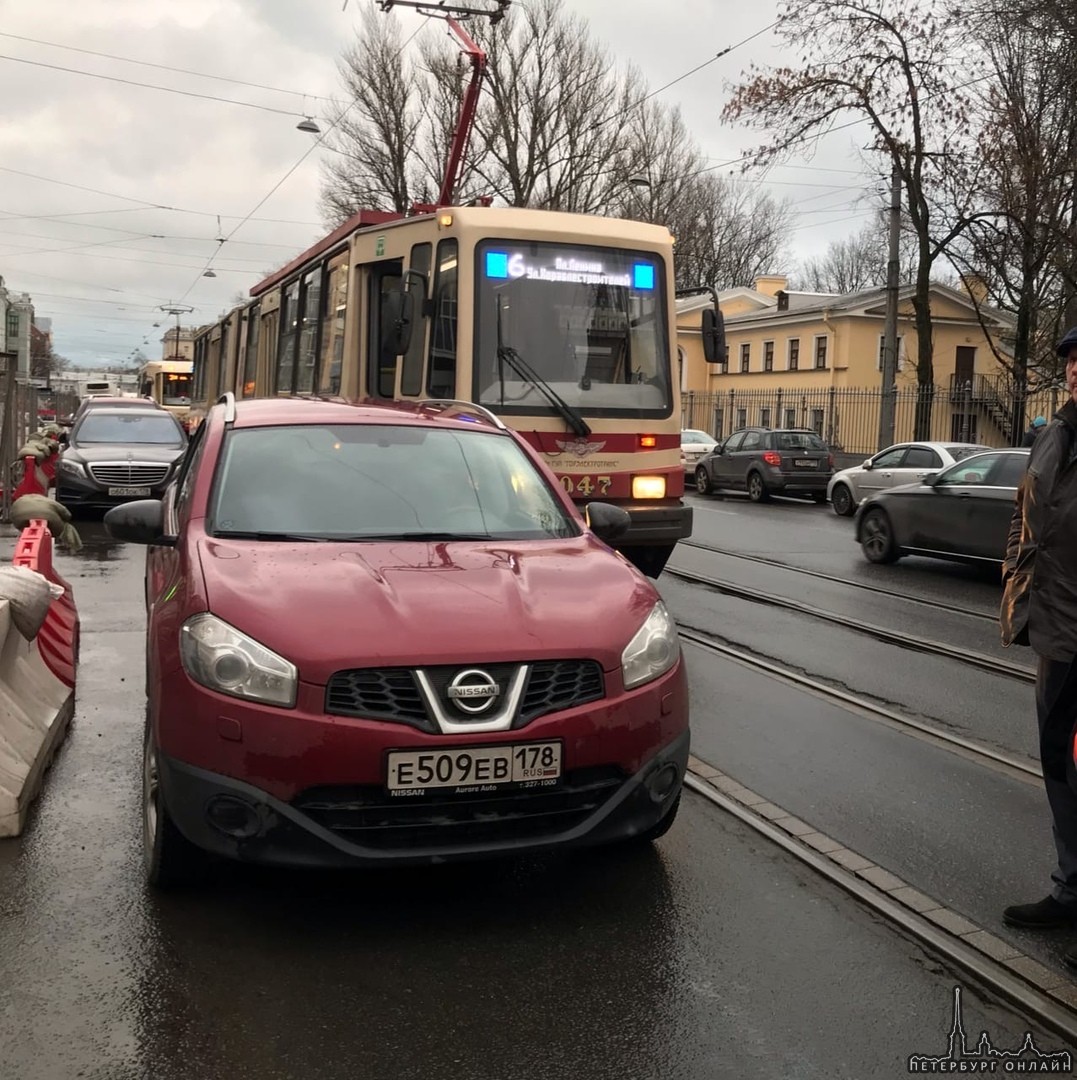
441, 374
222, 359
411, 378
333, 312
289, 328
311, 304
250, 356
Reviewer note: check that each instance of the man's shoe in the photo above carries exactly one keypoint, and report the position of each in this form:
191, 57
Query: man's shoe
1045, 914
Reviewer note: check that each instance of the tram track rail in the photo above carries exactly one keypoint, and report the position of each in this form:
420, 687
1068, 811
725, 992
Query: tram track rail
822, 575
912, 642
1019, 768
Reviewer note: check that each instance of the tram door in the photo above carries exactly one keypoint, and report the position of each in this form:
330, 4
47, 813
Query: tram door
384, 287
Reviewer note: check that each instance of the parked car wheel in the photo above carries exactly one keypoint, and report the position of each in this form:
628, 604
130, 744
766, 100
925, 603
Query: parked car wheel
703, 481
877, 538
757, 488
170, 860
841, 499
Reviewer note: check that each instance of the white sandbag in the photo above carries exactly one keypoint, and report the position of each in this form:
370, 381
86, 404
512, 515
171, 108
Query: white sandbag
30, 594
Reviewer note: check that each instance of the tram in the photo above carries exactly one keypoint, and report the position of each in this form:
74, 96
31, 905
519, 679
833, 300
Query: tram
561, 324
168, 382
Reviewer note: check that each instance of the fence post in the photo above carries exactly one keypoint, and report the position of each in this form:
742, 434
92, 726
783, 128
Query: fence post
778, 409
830, 416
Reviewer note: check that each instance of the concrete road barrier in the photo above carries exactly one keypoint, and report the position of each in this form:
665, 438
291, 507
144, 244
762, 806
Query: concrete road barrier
37, 684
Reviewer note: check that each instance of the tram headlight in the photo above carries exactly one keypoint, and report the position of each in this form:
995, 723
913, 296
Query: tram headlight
219, 656
648, 487
653, 650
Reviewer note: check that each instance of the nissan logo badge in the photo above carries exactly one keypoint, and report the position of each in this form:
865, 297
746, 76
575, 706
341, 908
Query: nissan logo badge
473, 691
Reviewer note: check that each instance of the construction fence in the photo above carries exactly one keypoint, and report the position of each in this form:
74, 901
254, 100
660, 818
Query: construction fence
979, 410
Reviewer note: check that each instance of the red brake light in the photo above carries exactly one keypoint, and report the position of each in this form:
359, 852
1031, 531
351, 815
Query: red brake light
772, 457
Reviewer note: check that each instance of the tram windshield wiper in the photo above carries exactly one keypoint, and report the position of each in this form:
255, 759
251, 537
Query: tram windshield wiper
506, 354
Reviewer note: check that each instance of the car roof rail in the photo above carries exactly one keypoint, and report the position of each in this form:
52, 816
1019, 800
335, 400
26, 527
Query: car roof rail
228, 400
450, 407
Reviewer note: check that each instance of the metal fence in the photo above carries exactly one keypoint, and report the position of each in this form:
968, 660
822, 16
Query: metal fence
979, 410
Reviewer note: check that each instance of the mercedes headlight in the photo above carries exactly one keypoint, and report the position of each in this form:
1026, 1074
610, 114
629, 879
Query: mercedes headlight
654, 649
72, 467
219, 656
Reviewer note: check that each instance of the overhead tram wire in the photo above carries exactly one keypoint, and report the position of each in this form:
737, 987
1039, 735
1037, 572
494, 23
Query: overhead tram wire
164, 67
150, 86
273, 190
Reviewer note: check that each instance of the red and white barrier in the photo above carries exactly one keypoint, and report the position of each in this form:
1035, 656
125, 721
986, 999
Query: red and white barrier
37, 685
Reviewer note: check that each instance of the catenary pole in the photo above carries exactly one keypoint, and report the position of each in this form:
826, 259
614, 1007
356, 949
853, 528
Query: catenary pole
888, 398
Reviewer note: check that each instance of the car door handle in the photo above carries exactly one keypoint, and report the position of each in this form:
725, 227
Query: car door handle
964, 494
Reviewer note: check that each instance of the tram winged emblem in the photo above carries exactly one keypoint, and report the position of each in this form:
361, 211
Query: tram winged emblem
580, 448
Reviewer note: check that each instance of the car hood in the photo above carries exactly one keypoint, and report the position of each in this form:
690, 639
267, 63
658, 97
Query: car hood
328, 606
123, 452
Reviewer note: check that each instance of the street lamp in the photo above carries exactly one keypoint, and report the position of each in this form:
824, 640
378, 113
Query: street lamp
308, 124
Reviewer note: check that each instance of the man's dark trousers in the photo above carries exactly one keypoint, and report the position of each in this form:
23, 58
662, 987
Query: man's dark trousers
1056, 710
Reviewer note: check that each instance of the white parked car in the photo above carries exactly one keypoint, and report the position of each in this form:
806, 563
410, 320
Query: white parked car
903, 463
694, 446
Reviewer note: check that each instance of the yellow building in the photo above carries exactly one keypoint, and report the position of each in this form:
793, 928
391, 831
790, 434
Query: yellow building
799, 359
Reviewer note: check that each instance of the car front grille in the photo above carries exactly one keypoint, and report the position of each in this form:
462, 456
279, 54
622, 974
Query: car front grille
128, 473
367, 815
394, 693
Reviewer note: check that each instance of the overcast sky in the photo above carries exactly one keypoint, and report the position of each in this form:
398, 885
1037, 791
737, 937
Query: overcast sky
110, 192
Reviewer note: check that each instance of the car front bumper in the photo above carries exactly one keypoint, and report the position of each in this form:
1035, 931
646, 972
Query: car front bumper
82, 491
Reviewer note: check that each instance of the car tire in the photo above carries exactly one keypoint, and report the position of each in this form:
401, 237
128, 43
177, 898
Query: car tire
877, 537
703, 481
841, 499
757, 488
170, 860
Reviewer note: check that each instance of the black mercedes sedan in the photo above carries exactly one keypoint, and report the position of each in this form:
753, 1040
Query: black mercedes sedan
961, 513
113, 455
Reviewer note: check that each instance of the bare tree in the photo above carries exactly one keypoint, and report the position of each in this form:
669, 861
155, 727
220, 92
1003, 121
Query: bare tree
893, 64
858, 262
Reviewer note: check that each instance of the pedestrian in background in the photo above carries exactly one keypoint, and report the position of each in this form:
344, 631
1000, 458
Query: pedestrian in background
1039, 608
1033, 432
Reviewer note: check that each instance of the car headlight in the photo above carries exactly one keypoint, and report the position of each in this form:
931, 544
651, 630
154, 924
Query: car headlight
72, 467
653, 650
219, 656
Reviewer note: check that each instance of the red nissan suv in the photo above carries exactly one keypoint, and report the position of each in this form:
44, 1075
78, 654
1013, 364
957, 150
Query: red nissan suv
382, 634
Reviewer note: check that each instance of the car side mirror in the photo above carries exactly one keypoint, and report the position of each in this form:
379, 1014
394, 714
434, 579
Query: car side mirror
397, 318
868, 465
930, 479
606, 521
140, 522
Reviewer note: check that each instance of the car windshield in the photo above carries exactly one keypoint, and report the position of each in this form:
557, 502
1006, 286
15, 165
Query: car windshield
379, 482
798, 440
590, 322
158, 429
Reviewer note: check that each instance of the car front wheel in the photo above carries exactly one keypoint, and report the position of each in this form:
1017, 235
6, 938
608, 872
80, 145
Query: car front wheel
757, 489
841, 499
877, 538
703, 481
170, 860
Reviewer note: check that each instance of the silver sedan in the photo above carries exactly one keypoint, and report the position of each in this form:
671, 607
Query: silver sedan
903, 463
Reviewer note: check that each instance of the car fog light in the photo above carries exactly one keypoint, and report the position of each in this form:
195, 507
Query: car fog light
661, 783
233, 817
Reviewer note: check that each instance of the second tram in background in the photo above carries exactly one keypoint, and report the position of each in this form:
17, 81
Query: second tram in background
168, 382
562, 324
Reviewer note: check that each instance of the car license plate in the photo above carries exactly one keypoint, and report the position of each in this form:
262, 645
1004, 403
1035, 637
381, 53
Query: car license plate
804, 463
461, 767
129, 491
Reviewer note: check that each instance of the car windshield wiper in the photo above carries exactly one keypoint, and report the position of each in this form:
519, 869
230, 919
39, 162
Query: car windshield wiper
419, 536
254, 535
506, 353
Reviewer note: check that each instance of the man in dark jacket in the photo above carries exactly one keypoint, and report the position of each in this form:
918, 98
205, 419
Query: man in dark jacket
1039, 608
1034, 430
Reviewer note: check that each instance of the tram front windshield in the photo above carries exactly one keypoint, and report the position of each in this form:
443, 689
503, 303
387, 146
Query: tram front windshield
589, 322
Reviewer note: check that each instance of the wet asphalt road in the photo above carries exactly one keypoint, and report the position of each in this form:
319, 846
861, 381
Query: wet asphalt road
712, 955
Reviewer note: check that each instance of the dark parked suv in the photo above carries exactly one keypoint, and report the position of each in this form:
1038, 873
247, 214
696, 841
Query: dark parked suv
765, 462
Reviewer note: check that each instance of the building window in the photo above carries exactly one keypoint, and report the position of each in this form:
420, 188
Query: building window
817, 422
790, 418
764, 417
12, 324
768, 355
820, 352
745, 357
742, 418
794, 354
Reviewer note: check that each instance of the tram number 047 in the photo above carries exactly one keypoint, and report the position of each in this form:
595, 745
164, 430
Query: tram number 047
586, 485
